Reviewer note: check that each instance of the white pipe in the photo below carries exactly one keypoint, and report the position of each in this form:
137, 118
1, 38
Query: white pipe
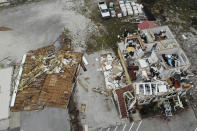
180, 103
17, 82
85, 60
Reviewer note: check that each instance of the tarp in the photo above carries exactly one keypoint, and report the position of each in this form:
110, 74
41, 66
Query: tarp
146, 25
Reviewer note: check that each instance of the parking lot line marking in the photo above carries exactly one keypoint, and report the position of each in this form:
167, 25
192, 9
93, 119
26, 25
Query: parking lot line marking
131, 126
108, 129
124, 127
116, 128
139, 125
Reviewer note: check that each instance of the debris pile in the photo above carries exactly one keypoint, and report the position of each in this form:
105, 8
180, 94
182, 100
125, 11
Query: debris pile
113, 72
4, 3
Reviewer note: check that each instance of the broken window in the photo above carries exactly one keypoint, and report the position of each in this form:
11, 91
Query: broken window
153, 89
141, 101
141, 89
147, 88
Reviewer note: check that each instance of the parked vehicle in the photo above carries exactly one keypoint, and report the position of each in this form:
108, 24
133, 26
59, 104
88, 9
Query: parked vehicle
104, 10
111, 8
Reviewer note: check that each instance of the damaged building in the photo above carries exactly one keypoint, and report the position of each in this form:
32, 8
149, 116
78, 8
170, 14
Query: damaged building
46, 77
155, 67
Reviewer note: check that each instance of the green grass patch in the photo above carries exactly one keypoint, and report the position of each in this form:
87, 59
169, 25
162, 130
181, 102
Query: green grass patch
109, 31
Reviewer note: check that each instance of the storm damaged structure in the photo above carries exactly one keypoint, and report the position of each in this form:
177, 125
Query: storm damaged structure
155, 66
46, 77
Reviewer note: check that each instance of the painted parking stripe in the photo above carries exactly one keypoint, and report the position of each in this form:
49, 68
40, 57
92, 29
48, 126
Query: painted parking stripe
131, 126
116, 128
124, 127
139, 126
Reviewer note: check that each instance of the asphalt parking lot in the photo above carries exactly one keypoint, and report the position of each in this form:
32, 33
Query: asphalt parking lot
185, 121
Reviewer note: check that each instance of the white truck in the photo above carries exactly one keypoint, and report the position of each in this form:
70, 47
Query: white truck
104, 10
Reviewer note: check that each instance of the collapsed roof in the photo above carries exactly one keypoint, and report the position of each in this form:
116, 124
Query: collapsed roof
123, 97
47, 78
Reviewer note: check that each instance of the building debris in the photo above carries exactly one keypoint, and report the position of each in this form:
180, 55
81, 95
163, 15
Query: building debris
47, 77
85, 60
83, 108
98, 90
81, 84
168, 108
17, 81
5, 28
113, 72
4, 3
4, 59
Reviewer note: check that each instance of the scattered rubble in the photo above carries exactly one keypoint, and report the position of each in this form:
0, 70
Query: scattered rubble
4, 3
113, 72
98, 90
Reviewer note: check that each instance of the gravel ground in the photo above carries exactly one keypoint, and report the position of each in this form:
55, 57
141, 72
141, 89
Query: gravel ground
38, 24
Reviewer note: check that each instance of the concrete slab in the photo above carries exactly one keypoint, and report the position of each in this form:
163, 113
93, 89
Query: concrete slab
49, 119
5, 84
185, 121
100, 110
14, 120
4, 124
